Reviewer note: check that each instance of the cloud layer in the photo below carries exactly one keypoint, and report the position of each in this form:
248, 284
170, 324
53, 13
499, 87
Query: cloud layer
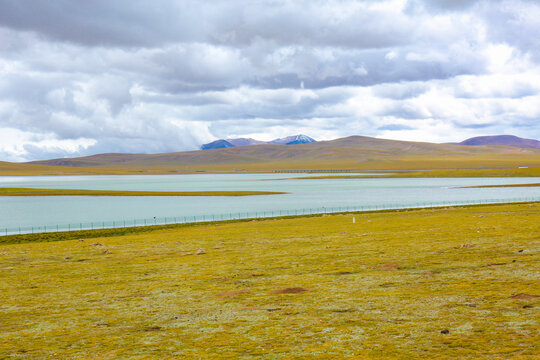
78, 78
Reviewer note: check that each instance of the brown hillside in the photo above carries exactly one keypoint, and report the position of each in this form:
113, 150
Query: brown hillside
354, 152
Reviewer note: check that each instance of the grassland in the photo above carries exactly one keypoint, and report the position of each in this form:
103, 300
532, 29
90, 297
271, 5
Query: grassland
18, 169
511, 172
435, 166
459, 282
80, 192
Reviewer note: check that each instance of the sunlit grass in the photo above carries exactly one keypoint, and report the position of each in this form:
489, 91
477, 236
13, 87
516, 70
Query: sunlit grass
319, 287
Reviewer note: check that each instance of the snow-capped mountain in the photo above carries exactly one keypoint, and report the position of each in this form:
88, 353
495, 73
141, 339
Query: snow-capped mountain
295, 139
289, 140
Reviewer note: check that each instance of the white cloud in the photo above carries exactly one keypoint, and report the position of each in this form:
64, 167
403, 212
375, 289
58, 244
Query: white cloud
126, 76
497, 56
16, 145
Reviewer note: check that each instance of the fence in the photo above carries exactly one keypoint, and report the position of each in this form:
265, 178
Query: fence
243, 215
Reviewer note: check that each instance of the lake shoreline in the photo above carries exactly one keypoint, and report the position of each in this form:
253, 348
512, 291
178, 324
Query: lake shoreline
107, 201
82, 192
121, 231
498, 186
532, 171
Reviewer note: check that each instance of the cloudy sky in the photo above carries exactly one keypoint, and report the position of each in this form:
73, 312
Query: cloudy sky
85, 77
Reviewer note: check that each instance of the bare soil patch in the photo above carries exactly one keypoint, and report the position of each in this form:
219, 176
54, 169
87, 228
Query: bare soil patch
388, 267
291, 290
523, 296
233, 293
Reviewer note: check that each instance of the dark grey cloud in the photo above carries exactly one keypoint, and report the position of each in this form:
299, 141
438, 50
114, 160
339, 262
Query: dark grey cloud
103, 22
111, 76
134, 23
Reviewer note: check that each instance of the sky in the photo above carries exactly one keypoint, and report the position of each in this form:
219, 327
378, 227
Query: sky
86, 77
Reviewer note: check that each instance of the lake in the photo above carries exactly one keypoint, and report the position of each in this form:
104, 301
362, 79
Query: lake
304, 196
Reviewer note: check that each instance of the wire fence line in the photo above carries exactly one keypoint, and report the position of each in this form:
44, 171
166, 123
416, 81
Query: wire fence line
170, 220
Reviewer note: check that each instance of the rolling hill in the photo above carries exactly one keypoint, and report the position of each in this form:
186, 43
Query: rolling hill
350, 154
506, 140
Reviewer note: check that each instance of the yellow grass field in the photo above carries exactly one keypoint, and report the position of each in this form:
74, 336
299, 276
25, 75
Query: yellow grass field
445, 283
438, 167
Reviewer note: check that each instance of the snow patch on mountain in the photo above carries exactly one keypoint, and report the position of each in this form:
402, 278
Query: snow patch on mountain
289, 140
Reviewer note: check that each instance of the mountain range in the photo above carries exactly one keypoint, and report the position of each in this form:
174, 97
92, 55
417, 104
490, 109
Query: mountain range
503, 140
226, 143
353, 153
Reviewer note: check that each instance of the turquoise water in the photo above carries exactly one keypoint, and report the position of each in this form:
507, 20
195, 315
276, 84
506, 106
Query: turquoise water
304, 195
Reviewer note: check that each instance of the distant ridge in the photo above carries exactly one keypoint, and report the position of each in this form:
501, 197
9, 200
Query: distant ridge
344, 153
289, 140
245, 142
507, 140
353, 152
218, 144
